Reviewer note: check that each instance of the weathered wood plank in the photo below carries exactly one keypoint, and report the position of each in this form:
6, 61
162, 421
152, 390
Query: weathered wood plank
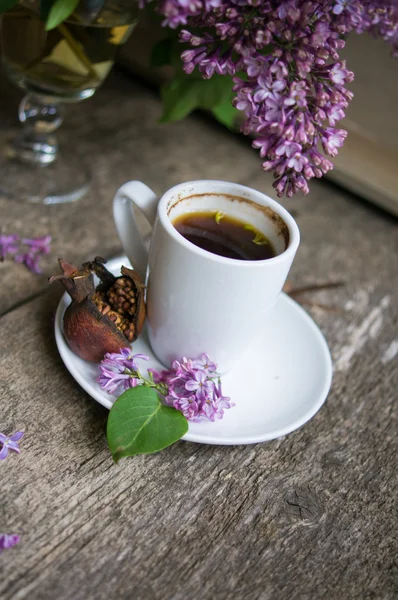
312, 515
298, 517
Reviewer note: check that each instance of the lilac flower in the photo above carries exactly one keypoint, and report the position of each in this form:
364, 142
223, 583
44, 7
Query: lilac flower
30, 260
119, 372
8, 541
267, 88
9, 443
182, 368
111, 380
289, 77
200, 384
341, 5
195, 389
297, 162
273, 109
205, 364
125, 358
39, 244
339, 74
333, 139
36, 248
223, 401
297, 96
186, 404
191, 386
113, 357
8, 245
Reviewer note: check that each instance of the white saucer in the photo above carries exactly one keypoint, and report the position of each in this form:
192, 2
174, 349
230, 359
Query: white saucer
282, 380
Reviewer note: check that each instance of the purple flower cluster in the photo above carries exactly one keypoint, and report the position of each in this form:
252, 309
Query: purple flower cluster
194, 388
9, 443
8, 541
289, 78
9, 244
29, 256
36, 248
120, 371
191, 386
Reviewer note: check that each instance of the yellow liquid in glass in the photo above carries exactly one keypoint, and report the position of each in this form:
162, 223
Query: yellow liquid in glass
69, 62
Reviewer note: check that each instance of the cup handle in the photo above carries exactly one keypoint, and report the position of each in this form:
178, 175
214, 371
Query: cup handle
134, 193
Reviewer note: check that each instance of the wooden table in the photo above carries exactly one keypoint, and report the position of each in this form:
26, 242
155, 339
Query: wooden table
312, 515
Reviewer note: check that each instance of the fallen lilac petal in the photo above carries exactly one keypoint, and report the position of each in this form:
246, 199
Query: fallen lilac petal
8, 245
9, 443
30, 260
41, 244
8, 541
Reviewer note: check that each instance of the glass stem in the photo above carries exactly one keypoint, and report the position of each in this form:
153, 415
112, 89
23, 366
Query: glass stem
37, 144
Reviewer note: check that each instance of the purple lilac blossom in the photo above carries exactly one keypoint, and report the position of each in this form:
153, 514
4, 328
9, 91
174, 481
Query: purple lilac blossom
194, 388
36, 248
8, 245
40, 244
289, 79
200, 384
9, 443
8, 541
205, 364
119, 372
190, 386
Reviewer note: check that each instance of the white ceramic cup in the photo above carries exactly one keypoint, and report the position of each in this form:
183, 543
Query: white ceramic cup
198, 301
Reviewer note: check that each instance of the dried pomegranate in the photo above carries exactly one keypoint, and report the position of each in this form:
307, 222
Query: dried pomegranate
103, 319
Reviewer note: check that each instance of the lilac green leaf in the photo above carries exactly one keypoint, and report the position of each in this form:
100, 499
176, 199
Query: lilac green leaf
59, 11
139, 424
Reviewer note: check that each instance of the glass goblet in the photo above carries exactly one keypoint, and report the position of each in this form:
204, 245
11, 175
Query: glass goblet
66, 64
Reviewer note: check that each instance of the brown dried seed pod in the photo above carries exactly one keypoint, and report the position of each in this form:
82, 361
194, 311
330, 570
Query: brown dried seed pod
122, 299
104, 319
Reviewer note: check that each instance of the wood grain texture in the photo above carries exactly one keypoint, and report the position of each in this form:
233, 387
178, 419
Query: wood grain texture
311, 515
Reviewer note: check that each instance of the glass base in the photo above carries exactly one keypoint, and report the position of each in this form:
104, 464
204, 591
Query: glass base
64, 180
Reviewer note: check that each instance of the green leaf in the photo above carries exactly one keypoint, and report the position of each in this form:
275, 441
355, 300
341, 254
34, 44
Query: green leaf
139, 424
226, 114
179, 99
187, 93
162, 53
6, 5
59, 11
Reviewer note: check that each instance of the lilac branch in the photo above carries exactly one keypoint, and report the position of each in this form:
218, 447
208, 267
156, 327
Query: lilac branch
190, 386
288, 75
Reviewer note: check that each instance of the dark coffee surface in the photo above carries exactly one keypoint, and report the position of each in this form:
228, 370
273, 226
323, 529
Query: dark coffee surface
226, 236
